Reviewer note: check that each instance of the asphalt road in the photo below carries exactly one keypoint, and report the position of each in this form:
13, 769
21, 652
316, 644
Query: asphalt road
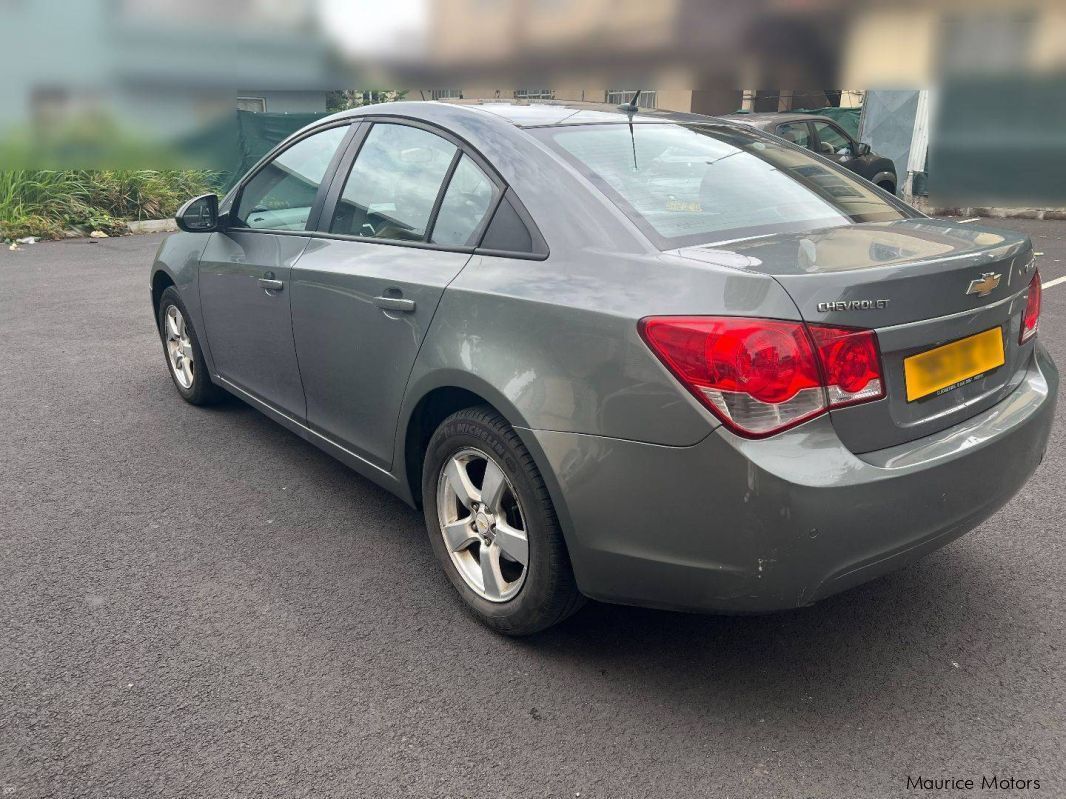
198, 603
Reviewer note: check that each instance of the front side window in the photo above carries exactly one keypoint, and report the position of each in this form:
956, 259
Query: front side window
832, 141
281, 194
695, 184
393, 184
465, 205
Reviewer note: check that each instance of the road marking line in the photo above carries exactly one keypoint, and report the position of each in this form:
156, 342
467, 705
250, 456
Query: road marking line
964, 221
1054, 282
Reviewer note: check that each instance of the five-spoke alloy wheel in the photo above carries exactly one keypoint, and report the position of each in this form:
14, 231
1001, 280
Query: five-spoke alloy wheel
482, 524
185, 360
179, 347
492, 524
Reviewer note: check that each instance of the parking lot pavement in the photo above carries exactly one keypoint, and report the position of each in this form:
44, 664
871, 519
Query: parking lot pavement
198, 603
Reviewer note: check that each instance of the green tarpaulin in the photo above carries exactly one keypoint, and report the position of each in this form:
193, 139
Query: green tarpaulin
234, 144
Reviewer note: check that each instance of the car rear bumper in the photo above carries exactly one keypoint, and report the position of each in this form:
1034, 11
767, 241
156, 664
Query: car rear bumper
733, 525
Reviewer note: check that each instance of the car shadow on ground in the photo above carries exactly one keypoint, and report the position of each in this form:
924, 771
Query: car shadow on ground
905, 631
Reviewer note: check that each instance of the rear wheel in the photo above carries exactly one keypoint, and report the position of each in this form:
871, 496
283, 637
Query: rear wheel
185, 359
492, 525
889, 187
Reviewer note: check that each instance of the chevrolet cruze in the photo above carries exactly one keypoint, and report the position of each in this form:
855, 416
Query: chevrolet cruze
649, 358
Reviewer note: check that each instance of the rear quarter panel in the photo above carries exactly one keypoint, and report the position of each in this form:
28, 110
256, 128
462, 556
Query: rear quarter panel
557, 340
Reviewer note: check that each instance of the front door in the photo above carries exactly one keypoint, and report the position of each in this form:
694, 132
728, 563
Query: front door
362, 302
245, 272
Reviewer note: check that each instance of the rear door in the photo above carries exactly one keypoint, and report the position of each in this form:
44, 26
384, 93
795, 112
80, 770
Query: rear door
401, 222
244, 277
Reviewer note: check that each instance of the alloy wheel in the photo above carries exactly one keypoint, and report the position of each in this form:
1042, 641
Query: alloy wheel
482, 524
179, 347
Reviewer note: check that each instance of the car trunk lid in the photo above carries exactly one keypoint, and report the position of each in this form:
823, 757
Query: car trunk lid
920, 284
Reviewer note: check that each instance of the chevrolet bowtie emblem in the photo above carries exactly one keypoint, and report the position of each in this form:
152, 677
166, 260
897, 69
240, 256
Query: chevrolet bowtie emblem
984, 285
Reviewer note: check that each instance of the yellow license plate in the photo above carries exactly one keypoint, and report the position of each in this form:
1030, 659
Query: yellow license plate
944, 368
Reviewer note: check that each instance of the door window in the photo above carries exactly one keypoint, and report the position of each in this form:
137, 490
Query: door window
795, 132
281, 194
831, 140
393, 185
465, 205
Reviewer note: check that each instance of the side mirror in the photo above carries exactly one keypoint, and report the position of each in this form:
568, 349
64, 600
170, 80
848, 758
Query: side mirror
862, 149
199, 215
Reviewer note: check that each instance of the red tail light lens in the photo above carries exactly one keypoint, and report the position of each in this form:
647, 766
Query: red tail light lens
1031, 317
761, 376
851, 363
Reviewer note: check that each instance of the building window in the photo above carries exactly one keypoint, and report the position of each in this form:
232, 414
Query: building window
534, 94
647, 97
446, 94
257, 104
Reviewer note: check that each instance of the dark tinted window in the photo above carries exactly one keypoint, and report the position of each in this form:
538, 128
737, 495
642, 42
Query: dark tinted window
694, 184
507, 232
393, 184
281, 194
466, 202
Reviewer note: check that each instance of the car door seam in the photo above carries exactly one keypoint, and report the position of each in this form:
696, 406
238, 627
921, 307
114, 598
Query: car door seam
292, 325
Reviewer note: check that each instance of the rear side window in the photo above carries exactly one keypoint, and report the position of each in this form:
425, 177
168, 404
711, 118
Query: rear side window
281, 194
464, 208
393, 185
695, 184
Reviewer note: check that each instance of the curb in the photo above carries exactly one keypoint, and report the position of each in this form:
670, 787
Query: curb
153, 226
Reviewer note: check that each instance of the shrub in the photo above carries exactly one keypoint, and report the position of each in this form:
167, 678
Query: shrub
44, 203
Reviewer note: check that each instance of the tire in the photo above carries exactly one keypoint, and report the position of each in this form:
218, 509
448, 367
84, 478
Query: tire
546, 592
887, 187
200, 390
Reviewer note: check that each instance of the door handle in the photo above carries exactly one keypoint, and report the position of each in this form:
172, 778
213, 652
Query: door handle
270, 284
395, 304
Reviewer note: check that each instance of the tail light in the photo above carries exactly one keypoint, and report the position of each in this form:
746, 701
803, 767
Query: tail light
762, 376
1031, 317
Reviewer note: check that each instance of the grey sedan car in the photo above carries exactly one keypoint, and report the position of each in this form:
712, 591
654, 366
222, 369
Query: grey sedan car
655, 359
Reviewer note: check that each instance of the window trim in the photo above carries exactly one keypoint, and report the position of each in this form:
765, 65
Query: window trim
340, 165
233, 200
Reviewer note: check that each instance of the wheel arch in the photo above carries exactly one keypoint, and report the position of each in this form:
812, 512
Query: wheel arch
885, 177
436, 397
430, 401
161, 280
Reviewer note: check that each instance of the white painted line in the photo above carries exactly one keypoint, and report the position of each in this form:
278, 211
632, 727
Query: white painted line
1054, 282
964, 221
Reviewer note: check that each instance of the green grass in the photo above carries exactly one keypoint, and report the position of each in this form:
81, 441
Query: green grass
44, 203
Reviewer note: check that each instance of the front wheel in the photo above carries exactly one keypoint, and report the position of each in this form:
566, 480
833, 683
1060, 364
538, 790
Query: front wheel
493, 527
185, 359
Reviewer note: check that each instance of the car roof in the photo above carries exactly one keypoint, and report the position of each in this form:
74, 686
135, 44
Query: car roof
533, 114
766, 119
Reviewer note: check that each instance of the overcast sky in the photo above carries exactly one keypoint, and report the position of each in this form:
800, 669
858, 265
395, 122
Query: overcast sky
373, 27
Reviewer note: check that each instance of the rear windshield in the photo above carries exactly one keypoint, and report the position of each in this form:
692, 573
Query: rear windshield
697, 184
